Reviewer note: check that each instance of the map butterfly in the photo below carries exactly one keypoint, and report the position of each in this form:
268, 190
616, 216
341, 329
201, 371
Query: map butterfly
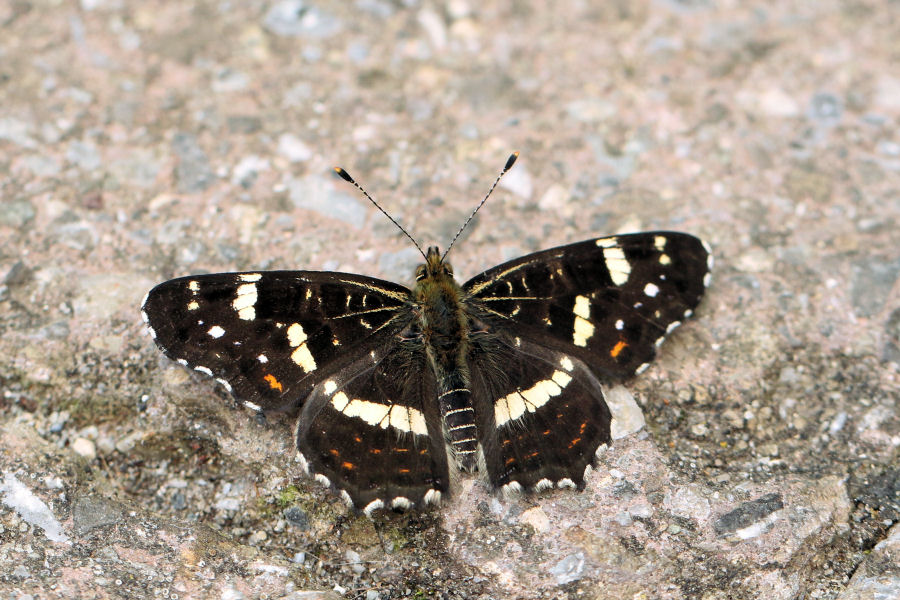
394, 387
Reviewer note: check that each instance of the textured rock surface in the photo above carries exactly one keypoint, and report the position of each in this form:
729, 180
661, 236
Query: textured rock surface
141, 141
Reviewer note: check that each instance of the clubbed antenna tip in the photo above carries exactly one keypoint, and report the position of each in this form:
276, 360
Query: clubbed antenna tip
344, 174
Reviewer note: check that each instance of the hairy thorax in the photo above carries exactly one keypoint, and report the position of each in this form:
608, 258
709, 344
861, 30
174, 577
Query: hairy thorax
442, 322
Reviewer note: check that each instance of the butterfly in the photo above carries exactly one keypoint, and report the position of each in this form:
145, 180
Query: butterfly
396, 387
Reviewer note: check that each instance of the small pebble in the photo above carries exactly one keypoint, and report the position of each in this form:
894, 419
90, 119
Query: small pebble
85, 448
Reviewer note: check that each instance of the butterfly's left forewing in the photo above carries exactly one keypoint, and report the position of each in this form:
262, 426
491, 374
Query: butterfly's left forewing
609, 301
270, 336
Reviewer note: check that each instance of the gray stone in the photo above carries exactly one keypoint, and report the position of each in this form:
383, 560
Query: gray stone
297, 517
299, 18
91, 512
748, 513
16, 213
193, 173
871, 282
569, 569
314, 192
825, 109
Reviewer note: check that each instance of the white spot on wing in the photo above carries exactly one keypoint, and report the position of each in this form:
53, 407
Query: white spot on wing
216, 332
330, 386
618, 265
511, 489
672, 326
582, 307
432, 496
323, 480
620, 324
194, 286
182, 362
401, 503
193, 305
224, 383
304, 465
651, 289
565, 482
399, 417
252, 406
707, 279
203, 370
543, 484
296, 335
664, 259
659, 242
514, 405
304, 358
245, 300
151, 331
642, 368
584, 330
607, 242
262, 358
372, 506
566, 363
346, 498
250, 277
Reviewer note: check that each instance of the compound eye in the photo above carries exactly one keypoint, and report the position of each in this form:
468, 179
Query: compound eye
448, 270
420, 273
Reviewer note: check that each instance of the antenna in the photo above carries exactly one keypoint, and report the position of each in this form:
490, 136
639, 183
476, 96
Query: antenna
346, 177
509, 163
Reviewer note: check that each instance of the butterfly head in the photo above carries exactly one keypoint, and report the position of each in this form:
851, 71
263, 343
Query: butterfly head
434, 268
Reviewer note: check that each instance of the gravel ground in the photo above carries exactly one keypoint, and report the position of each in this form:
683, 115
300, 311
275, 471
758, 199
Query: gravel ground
145, 140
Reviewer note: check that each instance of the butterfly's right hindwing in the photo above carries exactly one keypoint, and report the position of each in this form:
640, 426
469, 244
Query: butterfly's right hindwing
269, 337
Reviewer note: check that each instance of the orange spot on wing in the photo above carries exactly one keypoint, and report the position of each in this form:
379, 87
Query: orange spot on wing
510, 460
348, 465
403, 471
334, 452
375, 451
273, 382
617, 349
573, 442
357, 438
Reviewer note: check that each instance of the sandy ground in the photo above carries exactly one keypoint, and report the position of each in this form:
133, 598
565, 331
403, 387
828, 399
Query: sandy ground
141, 141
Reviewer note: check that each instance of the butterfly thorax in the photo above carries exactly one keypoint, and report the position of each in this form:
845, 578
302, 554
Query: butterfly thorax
444, 327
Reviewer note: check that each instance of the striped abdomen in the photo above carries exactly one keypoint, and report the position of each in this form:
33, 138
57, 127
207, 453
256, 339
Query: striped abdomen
459, 418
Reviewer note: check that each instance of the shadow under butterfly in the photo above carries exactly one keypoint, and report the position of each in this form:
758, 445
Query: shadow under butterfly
396, 386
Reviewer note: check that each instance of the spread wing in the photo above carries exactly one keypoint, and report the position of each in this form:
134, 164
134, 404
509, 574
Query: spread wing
609, 301
374, 431
269, 337
550, 326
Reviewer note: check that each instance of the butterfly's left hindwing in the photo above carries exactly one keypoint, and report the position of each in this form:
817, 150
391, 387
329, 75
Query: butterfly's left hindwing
270, 336
541, 413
